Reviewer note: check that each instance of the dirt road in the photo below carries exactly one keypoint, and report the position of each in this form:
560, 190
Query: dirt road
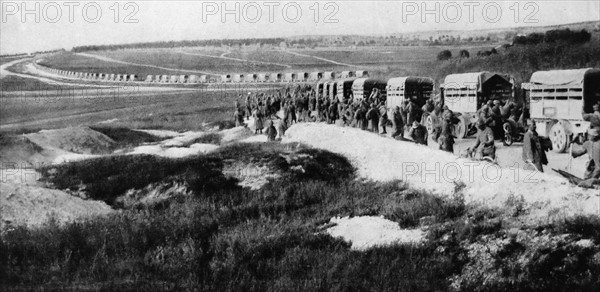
323, 59
222, 56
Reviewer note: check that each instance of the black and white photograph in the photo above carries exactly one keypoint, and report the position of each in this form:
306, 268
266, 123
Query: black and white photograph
303, 145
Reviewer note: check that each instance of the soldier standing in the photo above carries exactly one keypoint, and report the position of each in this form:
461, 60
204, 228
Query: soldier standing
592, 148
397, 123
373, 118
534, 153
383, 118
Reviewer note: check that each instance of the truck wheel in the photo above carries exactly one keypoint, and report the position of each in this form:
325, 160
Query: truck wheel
460, 129
560, 139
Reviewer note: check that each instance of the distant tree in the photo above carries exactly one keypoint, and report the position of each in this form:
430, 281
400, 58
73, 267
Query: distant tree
535, 38
520, 40
464, 54
444, 55
493, 51
581, 37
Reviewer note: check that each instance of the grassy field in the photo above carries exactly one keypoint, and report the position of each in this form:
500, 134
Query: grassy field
277, 56
180, 111
4, 60
382, 61
73, 62
175, 59
216, 236
17, 84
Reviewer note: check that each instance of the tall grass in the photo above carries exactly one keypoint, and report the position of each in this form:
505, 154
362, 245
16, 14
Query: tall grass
272, 240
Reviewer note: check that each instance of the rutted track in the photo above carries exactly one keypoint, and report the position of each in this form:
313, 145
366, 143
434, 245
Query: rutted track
222, 56
322, 59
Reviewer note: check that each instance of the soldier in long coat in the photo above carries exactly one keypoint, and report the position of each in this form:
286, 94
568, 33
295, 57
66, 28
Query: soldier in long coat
534, 153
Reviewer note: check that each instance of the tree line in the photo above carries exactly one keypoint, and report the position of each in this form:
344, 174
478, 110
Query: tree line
178, 44
554, 36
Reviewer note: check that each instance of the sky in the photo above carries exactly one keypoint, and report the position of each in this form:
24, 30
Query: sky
44, 25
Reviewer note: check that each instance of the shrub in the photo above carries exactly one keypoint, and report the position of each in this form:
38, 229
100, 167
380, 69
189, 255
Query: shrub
529, 261
444, 55
107, 178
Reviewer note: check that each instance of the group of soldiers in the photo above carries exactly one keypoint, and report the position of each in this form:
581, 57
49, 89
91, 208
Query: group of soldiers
300, 103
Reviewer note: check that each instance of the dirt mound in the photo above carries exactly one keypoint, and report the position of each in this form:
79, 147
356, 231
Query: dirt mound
235, 134
174, 152
22, 204
383, 159
81, 140
160, 133
19, 152
365, 232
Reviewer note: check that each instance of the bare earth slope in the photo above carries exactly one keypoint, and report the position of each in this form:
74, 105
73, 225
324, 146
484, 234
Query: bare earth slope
22, 204
383, 159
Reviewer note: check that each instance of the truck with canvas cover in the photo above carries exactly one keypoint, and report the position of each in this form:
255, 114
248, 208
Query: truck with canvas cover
278, 77
557, 101
466, 93
344, 88
415, 89
303, 76
361, 74
315, 76
291, 77
251, 77
264, 77
226, 78
329, 75
193, 79
238, 78
362, 87
347, 74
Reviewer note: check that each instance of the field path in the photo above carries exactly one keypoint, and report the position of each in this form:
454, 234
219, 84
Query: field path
107, 59
222, 56
322, 59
